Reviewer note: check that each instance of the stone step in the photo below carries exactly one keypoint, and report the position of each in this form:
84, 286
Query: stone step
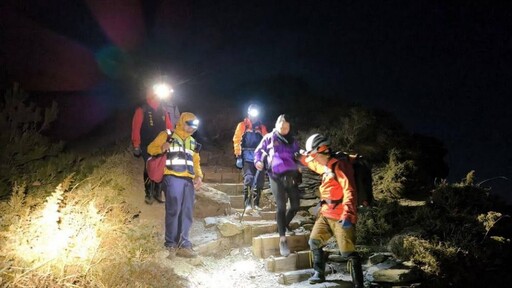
222, 177
396, 275
267, 245
294, 261
254, 229
229, 188
237, 201
255, 215
287, 278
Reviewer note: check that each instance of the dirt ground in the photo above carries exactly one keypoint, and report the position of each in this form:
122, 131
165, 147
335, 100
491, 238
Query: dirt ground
235, 267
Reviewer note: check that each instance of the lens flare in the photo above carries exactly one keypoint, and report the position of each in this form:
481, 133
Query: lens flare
162, 90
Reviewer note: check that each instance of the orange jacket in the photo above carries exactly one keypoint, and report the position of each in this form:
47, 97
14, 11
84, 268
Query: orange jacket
239, 133
339, 187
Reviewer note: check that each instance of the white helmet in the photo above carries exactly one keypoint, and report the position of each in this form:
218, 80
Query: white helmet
316, 141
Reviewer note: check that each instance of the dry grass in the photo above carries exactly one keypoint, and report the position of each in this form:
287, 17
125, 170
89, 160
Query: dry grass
82, 235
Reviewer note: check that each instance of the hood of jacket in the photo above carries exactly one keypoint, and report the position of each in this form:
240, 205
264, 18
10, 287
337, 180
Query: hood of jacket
180, 127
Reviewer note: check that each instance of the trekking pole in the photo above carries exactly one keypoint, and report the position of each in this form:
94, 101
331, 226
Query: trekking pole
243, 213
245, 207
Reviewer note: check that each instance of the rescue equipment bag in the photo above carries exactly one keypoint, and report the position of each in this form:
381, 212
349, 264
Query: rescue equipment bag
155, 165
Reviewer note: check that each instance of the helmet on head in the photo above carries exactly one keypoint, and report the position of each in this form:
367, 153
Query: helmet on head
317, 143
253, 110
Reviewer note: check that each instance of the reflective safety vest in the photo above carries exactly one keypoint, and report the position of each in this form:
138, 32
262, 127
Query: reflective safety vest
180, 155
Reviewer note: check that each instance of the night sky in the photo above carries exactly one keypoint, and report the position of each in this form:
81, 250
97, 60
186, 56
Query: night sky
444, 69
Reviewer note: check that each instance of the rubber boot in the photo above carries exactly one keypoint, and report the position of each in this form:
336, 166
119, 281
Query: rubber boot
318, 266
148, 189
157, 193
356, 270
256, 196
247, 199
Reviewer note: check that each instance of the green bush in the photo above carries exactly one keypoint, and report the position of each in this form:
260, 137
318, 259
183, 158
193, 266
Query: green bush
393, 180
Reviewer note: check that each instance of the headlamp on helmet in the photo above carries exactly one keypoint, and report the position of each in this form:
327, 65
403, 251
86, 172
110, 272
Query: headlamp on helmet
193, 123
253, 111
162, 90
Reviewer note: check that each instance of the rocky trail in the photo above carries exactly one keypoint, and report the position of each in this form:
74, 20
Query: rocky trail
235, 253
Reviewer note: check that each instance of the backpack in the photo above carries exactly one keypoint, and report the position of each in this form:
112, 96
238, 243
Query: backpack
362, 176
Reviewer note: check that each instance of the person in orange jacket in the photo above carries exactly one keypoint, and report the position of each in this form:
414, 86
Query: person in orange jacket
248, 135
148, 120
337, 213
182, 175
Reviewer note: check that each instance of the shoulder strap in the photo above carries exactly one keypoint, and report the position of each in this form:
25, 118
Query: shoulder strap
169, 135
332, 169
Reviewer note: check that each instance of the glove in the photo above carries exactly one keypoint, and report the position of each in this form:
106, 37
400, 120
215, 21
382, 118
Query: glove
239, 163
137, 152
345, 223
300, 154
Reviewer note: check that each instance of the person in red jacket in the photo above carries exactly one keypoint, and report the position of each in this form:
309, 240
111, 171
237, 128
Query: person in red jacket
148, 121
337, 214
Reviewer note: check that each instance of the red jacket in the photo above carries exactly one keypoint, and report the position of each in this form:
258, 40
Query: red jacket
138, 119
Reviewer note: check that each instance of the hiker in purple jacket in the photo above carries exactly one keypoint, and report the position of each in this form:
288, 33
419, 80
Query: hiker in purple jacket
278, 149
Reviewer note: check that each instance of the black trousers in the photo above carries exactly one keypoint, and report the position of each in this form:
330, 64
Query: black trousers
284, 187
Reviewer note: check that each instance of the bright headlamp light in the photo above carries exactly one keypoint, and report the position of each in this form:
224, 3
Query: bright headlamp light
162, 90
193, 123
253, 112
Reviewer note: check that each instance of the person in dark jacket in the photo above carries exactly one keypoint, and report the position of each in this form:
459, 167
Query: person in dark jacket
279, 148
248, 135
148, 120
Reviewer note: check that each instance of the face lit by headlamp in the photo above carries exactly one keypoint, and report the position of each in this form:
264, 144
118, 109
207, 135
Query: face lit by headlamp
193, 123
162, 90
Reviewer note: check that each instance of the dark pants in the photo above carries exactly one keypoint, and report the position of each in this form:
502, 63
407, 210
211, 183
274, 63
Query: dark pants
251, 176
179, 210
253, 184
283, 188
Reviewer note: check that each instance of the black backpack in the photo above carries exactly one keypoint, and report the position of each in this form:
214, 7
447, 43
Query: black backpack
362, 176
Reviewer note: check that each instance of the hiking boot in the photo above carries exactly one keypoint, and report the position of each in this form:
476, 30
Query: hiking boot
257, 208
186, 253
172, 252
248, 209
283, 248
158, 197
316, 278
148, 199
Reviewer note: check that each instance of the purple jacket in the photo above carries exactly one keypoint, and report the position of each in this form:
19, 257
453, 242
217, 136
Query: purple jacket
280, 155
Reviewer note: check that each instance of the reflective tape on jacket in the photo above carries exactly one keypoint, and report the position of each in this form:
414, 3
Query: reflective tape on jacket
169, 162
180, 155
